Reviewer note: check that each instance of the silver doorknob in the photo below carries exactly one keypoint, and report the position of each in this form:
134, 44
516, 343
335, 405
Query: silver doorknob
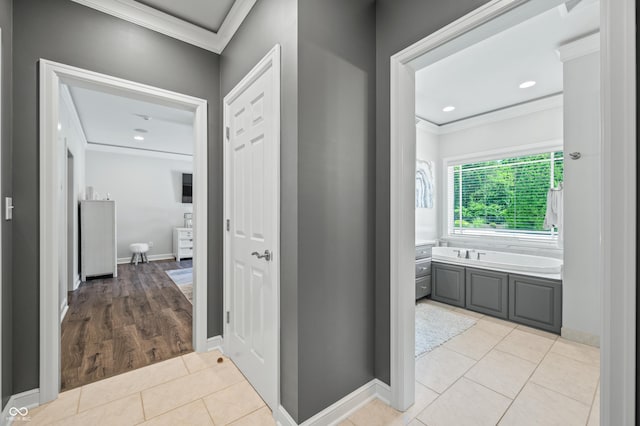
266, 256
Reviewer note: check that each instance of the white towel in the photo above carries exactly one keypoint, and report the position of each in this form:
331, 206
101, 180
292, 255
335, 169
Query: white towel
555, 214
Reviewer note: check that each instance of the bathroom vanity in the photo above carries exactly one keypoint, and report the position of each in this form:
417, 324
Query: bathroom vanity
423, 268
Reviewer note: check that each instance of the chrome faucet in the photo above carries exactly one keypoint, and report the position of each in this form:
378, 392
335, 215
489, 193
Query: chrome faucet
480, 254
468, 254
459, 252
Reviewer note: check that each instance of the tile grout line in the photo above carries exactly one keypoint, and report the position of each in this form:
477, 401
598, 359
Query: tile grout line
463, 374
593, 402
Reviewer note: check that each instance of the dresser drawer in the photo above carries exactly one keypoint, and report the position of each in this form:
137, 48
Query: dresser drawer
423, 267
186, 252
185, 235
423, 252
423, 287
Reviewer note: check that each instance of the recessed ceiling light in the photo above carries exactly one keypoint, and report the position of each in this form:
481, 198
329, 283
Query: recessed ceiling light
448, 108
527, 84
138, 138
144, 116
141, 130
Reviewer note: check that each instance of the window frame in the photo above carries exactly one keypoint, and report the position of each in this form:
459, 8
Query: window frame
447, 234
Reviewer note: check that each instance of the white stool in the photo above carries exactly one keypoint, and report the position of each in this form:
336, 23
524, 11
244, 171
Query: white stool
139, 253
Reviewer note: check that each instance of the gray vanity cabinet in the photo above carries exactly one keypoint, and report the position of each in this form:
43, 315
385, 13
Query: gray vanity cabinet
487, 292
448, 284
536, 302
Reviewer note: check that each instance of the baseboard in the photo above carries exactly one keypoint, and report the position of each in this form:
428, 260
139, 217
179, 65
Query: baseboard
28, 400
151, 257
77, 283
341, 409
215, 343
580, 337
63, 309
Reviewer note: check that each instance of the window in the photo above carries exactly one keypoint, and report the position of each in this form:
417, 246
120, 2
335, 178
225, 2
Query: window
506, 196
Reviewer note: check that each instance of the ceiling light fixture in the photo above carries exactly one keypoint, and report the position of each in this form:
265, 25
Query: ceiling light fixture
138, 138
527, 84
448, 108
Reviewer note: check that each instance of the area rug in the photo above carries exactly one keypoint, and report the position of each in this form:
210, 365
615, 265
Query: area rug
435, 325
184, 280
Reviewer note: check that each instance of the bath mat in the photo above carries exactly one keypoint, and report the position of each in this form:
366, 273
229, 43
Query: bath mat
435, 325
184, 280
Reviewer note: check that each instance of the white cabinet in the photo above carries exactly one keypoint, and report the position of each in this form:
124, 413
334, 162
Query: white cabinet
182, 243
98, 239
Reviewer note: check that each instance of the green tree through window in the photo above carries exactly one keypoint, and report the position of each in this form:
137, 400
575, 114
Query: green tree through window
507, 195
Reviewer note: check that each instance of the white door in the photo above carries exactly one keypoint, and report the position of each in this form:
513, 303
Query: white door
252, 182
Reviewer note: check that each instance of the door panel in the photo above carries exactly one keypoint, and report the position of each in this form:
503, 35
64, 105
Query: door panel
251, 335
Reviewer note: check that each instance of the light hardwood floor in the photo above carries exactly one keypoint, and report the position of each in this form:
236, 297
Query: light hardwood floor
115, 325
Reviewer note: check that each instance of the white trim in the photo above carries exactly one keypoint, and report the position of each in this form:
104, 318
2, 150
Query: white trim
619, 205
77, 283
1, 223
618, 94
171, 26
538, 105
125, 150
215, 343
580, 336
342, 409
29, 399
271, 59
51, 75
66, 97
151, 257
64, 307
580, 47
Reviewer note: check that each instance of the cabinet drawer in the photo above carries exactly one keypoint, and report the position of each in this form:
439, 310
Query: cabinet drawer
185, 235
423, 287
423, 252
423, 267
186, 252
185, 243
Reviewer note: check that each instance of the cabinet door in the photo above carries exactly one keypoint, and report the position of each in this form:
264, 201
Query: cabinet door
423, 287
536, 302
487, 292
448, 284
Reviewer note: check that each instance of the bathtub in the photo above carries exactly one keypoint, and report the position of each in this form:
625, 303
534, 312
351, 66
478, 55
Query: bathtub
501, 261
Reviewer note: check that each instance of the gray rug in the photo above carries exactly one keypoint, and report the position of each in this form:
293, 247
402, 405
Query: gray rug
434, 326
183, 278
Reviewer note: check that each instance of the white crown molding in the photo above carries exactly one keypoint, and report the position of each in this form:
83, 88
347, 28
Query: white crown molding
169, 25
341, 409
123, 150
580, 47
550, 102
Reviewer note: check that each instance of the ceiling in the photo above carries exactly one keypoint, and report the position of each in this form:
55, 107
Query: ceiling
112, 120
207, 14
486, 76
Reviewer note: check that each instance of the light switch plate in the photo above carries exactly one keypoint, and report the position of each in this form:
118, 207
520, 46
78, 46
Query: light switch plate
8, 208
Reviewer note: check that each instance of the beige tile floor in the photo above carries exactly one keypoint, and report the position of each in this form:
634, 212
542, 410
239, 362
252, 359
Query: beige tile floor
193, 389
498, 372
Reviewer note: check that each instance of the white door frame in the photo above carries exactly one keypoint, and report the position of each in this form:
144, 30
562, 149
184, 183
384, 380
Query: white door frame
2, 217
271, 60
618, 362
51, 75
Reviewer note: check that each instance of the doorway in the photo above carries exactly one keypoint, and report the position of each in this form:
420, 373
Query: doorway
54, 78
618, 300
252, 237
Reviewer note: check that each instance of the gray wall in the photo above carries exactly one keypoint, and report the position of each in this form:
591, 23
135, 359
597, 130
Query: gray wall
399, 23
336, 210
6, 21
66, 32
271, 22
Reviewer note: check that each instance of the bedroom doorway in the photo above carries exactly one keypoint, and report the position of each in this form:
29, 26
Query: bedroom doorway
131, 162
